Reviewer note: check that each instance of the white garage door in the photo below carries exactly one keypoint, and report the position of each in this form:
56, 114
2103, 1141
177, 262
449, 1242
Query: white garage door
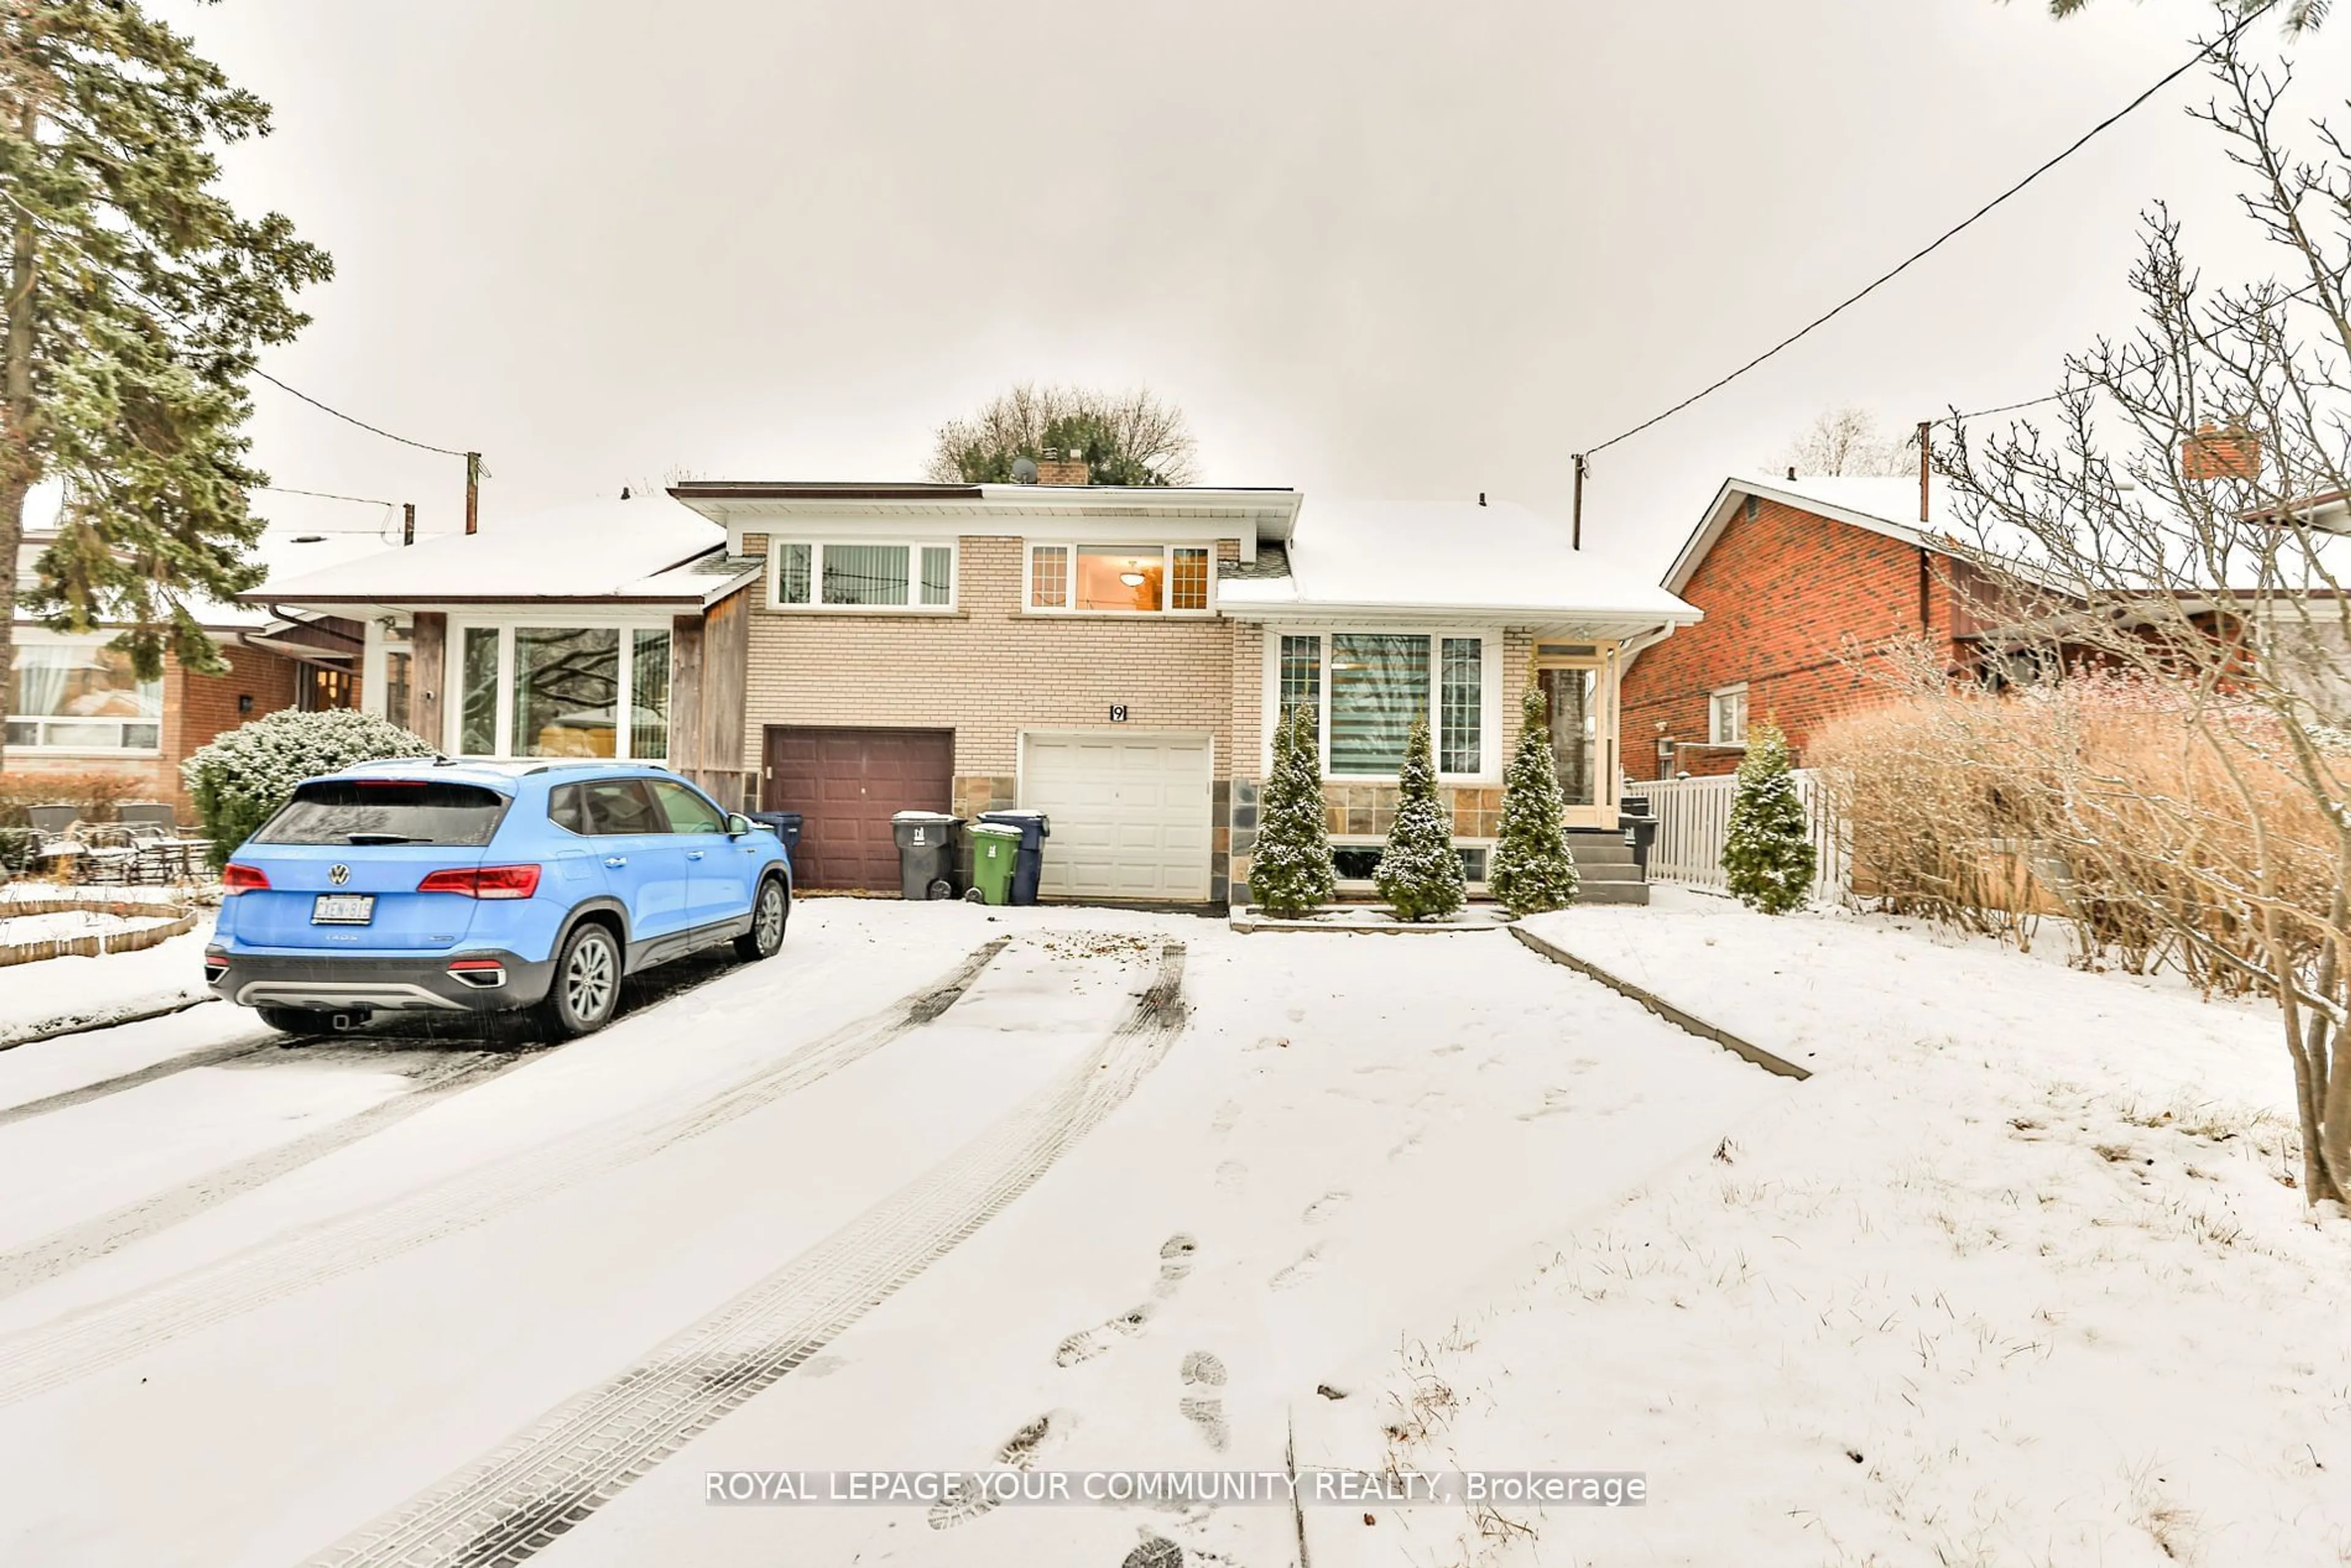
1129, 813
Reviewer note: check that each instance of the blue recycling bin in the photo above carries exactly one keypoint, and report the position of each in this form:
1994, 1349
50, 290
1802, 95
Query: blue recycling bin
1035, 828
785, 825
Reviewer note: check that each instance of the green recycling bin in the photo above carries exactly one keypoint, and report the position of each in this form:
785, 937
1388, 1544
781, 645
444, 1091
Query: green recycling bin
995, 854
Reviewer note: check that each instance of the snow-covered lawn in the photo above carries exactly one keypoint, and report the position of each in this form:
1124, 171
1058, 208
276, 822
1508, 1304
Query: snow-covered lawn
52, 994
1351, 1135
2016, 1277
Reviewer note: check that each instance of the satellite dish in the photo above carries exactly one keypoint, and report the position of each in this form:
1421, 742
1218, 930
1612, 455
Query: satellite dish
1024, 471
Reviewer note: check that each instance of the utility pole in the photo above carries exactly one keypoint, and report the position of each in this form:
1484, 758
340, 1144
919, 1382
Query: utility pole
1926, 469
1575, 529
473, 492
408, 524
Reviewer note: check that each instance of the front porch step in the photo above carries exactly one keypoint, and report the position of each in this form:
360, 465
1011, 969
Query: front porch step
1607, 871
1613, 893
1598, 849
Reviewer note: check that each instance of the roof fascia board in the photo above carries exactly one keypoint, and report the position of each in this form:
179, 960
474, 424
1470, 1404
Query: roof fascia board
1512, 614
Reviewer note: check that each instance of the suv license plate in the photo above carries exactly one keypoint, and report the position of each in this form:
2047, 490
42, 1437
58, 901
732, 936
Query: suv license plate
343, 909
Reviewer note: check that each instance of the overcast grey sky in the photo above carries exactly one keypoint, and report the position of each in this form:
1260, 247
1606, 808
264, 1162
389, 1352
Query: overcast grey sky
1372, 248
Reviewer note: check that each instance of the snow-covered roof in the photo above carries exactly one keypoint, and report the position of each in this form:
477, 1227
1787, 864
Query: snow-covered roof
284, 550
1890, 506
1441, 557
650, 551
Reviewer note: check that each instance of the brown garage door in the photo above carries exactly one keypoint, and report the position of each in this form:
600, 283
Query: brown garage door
845, 783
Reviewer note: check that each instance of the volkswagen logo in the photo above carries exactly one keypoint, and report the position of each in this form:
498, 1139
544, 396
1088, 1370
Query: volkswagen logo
338, 875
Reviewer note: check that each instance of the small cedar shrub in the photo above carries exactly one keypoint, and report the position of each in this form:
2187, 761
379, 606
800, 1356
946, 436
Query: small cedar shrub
240, 780
1419, 875
1291, 872
1532, 870
1767, 849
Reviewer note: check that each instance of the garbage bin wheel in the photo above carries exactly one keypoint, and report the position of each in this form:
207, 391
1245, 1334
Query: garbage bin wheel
973, 896
942, 888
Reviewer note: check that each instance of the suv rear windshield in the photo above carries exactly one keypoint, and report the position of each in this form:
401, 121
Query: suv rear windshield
386, 811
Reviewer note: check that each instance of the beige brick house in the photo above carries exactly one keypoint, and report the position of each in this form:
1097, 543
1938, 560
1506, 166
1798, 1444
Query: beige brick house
1111, 656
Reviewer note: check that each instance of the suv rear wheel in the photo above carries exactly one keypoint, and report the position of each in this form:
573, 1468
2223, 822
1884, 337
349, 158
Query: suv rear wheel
769, 913
586, 989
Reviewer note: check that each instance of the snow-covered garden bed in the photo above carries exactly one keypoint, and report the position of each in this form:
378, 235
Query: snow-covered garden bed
2018, 1276
82, 958
56, 923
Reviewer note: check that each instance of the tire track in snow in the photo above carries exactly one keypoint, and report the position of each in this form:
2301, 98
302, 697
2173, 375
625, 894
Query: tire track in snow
518, 1499
66, 1099
88, 1240
110, 1333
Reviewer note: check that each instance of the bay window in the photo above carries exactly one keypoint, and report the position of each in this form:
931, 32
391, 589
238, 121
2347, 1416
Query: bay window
856, 575
1131, 579
75, 693
594, 690
1366, 690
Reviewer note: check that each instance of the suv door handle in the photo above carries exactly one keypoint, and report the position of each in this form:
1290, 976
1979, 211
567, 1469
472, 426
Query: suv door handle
616, 862
693, 854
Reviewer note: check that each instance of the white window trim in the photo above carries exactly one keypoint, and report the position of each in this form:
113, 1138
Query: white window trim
1714, 715
1030, 547
41, 637
816, 548
453, 709
1490, 696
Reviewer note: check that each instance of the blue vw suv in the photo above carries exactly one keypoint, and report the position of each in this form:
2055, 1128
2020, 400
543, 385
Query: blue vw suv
434, 886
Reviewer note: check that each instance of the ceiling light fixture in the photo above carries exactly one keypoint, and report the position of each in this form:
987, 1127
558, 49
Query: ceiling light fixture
1132, 579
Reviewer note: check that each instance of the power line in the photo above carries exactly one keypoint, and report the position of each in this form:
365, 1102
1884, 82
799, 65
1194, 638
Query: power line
1945, 238
349, 419
324, 495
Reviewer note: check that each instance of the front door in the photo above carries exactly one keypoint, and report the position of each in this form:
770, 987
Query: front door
1582, 738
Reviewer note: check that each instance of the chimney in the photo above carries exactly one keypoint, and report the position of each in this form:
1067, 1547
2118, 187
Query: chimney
2214, 452
1055, 468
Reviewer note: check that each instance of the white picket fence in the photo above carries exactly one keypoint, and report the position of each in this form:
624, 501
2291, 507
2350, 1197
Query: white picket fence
1694, 815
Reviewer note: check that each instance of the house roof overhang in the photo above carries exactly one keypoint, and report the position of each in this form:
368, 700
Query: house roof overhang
1259, 514
1725, 506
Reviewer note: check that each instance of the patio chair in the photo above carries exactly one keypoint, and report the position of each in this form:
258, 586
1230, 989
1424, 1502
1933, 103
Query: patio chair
53, 823
156, 814
110, 854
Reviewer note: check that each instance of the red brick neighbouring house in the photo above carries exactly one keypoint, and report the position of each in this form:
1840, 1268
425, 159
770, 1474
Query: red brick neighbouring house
1808, 585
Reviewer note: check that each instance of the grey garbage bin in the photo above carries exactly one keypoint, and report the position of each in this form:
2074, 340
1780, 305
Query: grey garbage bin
926, 846
785, 825
1035, 828
1640, 833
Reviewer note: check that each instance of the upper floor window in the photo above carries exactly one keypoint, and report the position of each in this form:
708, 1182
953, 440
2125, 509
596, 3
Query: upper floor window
820, 575
1726, 720
1128, 579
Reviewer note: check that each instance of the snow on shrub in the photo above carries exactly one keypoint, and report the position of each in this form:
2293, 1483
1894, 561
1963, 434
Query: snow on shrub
1532, 870
1419, 875
240, 780
1767, 849
1290, 873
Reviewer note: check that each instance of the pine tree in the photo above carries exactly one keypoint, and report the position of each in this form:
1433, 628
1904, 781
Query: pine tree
1531, 870
137, 303
1767, 849
1419, 875
1291, 872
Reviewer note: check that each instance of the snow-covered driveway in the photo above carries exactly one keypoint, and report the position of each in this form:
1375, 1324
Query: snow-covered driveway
1127, 1187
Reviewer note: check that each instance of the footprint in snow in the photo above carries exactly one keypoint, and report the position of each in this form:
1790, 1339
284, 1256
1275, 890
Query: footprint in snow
1205, 1411
1326, 1206
1230, 1175
1018, 1452
1227, 1117
1156, 1552
1101, 1339
1174, 1263
1296, 1272
1555, 1100
1175, 1256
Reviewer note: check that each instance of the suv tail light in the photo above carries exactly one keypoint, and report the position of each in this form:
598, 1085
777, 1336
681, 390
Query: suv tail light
236, 878
485, 882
